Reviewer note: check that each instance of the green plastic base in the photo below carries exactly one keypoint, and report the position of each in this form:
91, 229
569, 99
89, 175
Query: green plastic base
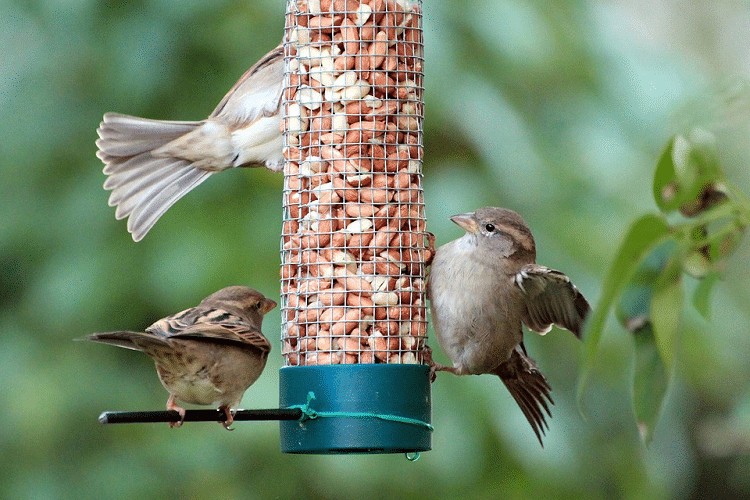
347, 398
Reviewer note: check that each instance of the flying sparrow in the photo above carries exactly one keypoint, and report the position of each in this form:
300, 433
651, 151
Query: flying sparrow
482, 287
207, 354
151, 164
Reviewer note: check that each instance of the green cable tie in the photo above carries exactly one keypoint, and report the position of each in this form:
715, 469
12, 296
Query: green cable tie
309, 413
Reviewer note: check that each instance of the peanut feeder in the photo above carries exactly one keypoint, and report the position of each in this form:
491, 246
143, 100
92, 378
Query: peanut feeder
354, 242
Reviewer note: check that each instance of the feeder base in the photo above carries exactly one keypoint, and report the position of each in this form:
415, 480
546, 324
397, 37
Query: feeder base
377, 408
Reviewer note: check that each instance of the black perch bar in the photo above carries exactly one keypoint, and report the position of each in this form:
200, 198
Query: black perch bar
139, 417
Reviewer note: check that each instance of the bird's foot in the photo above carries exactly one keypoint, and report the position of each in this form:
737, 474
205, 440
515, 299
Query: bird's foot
430, 250
435, 367
172, 405
229, 417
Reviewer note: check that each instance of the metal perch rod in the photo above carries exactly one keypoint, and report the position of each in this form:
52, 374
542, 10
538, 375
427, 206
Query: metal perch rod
136, 417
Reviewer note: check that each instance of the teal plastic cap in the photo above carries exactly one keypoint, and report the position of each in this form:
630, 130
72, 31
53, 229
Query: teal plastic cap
376, 408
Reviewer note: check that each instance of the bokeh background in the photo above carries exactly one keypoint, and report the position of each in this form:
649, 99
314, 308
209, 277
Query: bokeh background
556, 109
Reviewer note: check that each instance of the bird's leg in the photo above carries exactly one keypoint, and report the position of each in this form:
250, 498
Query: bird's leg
229, 417
172, 405
435, 367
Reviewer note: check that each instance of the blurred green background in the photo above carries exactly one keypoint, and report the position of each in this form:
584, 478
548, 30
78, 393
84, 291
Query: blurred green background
556, 109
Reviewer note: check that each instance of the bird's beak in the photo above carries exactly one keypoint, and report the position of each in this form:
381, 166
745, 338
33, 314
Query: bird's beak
267, 305
467, 221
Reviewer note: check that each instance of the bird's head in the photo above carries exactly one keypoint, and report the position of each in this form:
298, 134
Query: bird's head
241, 299
498, 228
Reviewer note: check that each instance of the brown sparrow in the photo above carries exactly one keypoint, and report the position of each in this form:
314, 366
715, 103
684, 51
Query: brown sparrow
482, 287
207, 354
151, 164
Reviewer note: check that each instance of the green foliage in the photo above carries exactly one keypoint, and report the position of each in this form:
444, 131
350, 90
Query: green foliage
650, 381
653, 257
644, 235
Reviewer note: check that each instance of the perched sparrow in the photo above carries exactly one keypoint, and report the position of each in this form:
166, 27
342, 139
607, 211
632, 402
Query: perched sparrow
482, 286
207, 354
151, 164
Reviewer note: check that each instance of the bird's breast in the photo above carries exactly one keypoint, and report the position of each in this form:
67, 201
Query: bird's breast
473, 317
205, 373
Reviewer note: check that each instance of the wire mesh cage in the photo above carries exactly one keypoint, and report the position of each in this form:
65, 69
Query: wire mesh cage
354, 244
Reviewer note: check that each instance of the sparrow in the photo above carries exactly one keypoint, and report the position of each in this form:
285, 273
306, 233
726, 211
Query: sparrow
206, 354
150, 164
482, 287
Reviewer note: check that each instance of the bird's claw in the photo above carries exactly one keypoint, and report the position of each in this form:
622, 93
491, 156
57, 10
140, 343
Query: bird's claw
228, 418
427, 357
430, 250
172, 405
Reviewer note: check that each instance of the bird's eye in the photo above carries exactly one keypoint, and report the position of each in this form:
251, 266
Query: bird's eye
489, 227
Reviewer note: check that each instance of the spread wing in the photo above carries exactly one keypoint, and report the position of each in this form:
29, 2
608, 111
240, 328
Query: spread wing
211, 325
257, 93
551, 299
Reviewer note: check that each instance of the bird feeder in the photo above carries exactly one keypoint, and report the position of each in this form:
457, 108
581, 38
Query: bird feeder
354, 243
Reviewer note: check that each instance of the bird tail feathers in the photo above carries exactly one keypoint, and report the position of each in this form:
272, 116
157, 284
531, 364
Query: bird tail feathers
529, 388
143, 185
136, 341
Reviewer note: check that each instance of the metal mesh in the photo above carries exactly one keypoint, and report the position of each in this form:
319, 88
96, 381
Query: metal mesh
354, 241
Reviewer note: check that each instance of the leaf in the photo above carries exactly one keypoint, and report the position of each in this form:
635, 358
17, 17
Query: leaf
705, 153
666, 309
696, 161
685, 167
665, 183
633, 308
688, 166
650, 383
642, 237
702, 294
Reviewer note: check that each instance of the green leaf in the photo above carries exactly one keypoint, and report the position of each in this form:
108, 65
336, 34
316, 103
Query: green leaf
650, 383
704, 153
643, 236
651, 378
695, 161
666, 309
634, 305
665, 188
688, 165
702, 294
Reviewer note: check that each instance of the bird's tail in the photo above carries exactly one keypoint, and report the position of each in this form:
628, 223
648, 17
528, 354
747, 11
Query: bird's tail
529, 388
143, 185
137, 341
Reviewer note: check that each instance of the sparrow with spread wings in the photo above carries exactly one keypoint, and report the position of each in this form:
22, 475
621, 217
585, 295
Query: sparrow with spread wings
482, 288
151, 164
